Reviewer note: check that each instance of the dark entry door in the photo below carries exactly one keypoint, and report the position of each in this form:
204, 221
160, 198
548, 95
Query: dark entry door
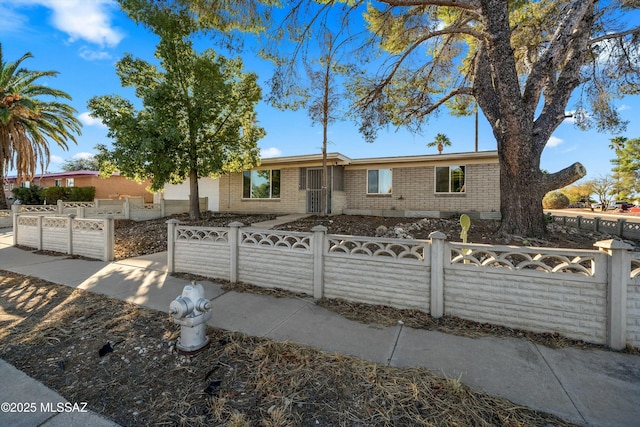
314, 190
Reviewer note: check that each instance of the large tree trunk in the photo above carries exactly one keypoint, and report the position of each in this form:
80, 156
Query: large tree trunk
523, 186
194, 196
3, 199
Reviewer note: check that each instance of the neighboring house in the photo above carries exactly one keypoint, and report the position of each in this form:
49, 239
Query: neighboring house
426, 185
113, 187
207, 187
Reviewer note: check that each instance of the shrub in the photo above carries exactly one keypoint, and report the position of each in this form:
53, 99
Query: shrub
29, 196
82, 194
555, 200
53, 194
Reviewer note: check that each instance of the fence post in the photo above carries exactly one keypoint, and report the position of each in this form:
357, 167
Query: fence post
596, 224
319, 234
40, 247
163, 209
234, 242
109, 238
127, 208
579, 222
618, 273
15, 225
620, 227
80, 212
171, 244
437, 273
70, 219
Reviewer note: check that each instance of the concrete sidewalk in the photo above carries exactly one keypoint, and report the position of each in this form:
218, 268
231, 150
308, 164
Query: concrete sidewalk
588, 387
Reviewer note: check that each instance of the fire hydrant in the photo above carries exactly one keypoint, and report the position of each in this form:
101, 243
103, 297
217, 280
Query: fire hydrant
191, 310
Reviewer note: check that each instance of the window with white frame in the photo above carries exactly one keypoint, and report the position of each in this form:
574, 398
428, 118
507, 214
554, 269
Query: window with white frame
70, 182
58, 182
379, 181
450, 179
261, 184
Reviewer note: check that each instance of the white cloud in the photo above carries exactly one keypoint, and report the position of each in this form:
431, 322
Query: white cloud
10, 21
56, 159
554, 141
87, 120
270, 152
88, 20
624, 107
92, 55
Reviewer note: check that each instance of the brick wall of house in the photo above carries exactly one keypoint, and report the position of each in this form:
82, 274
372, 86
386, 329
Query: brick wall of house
413, 189
114, 187
292, 200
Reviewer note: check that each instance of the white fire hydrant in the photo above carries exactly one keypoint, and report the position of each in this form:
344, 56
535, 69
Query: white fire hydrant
191, 310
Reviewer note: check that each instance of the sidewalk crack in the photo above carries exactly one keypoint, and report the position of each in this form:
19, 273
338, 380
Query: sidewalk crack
566, 392
395, 344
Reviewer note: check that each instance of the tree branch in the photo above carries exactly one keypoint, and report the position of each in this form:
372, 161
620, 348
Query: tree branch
550, 59
460, 4
613, 36
465, 90
564, 177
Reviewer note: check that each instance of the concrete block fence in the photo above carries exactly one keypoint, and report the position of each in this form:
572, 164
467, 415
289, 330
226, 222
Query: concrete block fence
617, 227
591, 295
92, 238
132, 208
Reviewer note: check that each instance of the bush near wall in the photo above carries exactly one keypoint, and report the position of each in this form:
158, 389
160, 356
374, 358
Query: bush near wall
74, 194
29, 196
555, 200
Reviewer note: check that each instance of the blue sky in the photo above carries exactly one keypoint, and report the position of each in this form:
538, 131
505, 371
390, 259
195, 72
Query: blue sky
83, 39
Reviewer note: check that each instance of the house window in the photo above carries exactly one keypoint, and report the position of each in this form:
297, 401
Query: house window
262, 184
450, 179
58, 183
69, 182
379, 181
25, 184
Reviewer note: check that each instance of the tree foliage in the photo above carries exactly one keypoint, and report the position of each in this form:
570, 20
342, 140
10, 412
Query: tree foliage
197, 117
626, 169
555, 200
31, 116
85, 163
603, 189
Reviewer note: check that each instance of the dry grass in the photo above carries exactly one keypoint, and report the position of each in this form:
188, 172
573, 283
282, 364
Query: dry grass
53, 333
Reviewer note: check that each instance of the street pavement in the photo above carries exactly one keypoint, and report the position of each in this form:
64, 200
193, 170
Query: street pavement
588, 387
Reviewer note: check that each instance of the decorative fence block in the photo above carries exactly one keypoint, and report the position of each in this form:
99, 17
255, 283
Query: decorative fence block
582, 294
620, 227
92, 238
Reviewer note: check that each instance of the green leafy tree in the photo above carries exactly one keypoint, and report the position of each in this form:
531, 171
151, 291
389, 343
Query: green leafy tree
555, 200
440, 141
30, 118
198, 117
521, 62
626, 169
86, 163
579, 193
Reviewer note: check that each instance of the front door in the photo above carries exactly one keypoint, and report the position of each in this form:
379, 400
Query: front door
314, 190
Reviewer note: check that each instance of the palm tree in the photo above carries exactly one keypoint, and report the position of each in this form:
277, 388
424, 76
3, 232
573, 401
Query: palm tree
27, 123
441, 140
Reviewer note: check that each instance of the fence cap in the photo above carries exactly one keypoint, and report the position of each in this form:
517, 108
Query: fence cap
173, 221
236, 224
613, 244
438, 235
319, 228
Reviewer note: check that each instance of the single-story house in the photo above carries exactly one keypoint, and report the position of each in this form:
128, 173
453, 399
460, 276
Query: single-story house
113, 187
425, 185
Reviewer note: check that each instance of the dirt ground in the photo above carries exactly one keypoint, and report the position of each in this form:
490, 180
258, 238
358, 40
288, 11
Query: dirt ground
55, 334
145, 237
121, 360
